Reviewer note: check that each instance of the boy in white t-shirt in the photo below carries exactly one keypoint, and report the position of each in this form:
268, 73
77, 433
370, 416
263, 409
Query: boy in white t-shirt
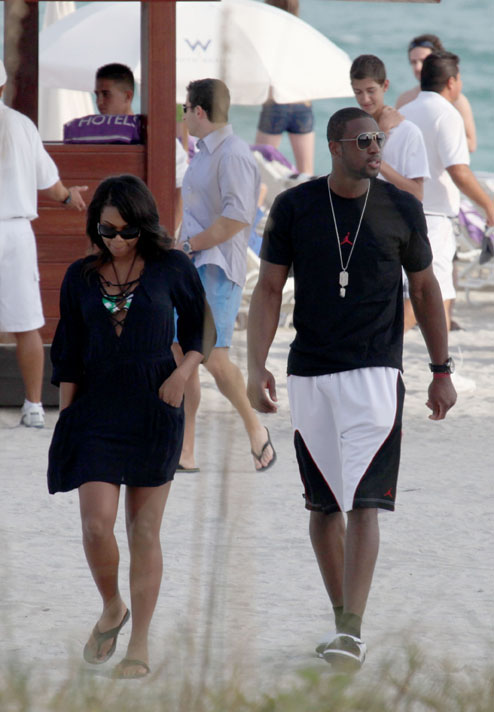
404, 157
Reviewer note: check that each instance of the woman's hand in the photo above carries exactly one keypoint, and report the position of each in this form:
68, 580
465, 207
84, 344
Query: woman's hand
172, 390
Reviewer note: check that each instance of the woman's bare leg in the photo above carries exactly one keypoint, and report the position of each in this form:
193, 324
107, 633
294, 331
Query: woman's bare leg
268, 139
99, 505
144, 508
303, 151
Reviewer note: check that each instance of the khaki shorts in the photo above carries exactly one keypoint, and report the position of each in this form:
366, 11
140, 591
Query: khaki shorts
20, 298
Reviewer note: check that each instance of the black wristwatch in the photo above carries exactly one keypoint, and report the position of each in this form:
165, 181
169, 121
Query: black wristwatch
187, 247
446, 367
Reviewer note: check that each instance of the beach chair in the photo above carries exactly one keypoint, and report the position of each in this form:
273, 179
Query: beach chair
288, 298
475, 250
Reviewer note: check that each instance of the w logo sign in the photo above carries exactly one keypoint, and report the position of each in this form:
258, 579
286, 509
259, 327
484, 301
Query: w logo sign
198, 43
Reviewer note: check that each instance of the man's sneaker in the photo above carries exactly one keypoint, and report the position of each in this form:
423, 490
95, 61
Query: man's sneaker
32, 415
345, 653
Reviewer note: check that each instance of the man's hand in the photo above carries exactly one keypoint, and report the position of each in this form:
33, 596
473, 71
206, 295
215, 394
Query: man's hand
389, 118
76, 199
442, 397
256, 391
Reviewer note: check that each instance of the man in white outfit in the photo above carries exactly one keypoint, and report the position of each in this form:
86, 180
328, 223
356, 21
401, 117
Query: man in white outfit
444, 135
25, 168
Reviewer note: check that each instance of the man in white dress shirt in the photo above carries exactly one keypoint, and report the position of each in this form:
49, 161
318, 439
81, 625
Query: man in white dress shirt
25, 168
444, 135
220, 193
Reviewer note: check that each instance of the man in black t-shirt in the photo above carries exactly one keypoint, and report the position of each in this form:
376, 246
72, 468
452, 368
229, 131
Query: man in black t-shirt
347, 237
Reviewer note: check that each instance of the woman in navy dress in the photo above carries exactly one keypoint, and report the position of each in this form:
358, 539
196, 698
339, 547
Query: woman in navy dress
121, 398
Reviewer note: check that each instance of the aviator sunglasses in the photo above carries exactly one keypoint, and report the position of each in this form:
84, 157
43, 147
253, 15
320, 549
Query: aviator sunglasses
126, 233
364, 140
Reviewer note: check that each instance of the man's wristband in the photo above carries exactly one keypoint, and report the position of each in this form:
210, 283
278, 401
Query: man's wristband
68, 198
444, 369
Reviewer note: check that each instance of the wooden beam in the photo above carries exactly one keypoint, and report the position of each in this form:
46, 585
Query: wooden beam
21, 28
158, 103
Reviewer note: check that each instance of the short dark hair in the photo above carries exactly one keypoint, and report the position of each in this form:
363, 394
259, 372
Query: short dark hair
135, 203
213, 96
368, 66
337, 123
291, 6
437, 68
118, 73
430, 41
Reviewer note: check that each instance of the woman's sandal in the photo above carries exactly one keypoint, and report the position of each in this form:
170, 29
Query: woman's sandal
125, 664
92, 657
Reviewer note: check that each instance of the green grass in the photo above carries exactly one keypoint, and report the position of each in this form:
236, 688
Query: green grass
413, 684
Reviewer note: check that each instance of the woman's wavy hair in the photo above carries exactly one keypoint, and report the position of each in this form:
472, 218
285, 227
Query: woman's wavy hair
135, 203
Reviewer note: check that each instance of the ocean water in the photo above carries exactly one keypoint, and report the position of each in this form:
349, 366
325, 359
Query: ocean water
465, 27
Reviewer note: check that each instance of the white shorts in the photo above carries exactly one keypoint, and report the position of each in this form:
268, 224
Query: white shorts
347, 432
20, 298
443, 244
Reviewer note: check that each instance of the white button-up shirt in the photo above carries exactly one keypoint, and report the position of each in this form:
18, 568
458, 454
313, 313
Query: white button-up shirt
25, 166
221, 180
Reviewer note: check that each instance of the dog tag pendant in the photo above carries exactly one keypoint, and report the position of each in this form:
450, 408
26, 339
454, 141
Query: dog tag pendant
343, 282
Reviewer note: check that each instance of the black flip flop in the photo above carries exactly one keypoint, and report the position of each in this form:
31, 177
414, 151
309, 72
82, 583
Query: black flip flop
268, 443
181, 468
100, 638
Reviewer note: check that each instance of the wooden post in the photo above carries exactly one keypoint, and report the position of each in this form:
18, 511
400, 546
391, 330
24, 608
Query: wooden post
21, 26
158, 103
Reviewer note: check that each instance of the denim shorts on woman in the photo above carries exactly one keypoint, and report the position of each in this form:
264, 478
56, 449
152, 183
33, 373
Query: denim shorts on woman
294, 118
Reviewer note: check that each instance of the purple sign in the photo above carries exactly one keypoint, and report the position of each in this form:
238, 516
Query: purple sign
98, 128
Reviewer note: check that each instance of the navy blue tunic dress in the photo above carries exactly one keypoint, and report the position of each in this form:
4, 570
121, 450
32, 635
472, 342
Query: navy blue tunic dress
117, 429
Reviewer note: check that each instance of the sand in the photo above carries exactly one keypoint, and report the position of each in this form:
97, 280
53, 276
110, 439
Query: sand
241, 590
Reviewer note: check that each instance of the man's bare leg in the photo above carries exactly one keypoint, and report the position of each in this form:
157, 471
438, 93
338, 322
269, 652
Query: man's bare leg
192, 399
361, 549
327, 535
30, 357
231, 384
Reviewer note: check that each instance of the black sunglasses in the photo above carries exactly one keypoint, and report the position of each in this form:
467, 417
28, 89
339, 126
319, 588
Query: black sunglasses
364, 140
186, 108
126, 233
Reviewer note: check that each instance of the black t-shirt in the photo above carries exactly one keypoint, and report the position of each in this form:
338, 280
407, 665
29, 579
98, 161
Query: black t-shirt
365, 328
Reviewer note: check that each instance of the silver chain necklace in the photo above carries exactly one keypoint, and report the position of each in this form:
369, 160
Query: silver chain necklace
344, 268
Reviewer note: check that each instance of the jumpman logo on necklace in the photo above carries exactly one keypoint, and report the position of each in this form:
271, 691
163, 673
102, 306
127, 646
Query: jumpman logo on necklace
343, 277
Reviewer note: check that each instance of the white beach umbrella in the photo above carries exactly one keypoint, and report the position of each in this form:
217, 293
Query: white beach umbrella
250, 45
57, 106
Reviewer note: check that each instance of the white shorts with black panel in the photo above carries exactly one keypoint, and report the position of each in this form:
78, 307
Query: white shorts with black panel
347, 434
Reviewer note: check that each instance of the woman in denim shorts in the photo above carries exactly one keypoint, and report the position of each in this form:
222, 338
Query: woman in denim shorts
296, 119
